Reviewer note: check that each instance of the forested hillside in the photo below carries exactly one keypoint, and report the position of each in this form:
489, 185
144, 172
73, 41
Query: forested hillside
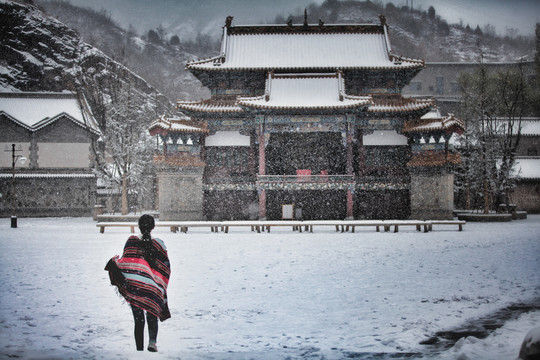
160, 57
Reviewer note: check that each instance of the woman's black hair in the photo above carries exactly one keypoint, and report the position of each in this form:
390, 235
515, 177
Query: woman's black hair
146, 225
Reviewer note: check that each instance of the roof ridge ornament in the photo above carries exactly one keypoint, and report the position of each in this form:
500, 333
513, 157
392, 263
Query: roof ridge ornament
305, 18
228, 21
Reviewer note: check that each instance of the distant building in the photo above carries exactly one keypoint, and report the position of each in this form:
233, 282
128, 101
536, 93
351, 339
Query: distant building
305, 121
526, 194
54, 133
440, 81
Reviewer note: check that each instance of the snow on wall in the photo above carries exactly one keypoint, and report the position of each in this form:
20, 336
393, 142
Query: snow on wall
385, 137
227, 138
528, 168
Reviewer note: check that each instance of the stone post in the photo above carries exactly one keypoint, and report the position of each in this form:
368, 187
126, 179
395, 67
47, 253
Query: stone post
180, 193
432, 194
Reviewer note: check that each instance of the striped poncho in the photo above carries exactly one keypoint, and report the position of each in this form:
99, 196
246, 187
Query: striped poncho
142, 275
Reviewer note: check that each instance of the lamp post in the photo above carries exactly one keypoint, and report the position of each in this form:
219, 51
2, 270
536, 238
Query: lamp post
14, 159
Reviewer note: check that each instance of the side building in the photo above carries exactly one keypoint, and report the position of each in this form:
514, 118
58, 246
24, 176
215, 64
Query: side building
54, 134
306, 121
440, 81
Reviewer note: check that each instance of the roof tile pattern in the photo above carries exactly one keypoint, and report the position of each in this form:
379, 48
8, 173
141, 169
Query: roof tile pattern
305, 92
311, 47
434, 121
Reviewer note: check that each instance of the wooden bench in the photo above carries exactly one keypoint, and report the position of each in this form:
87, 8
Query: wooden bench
418, 224
262, 226
175, 226
184, 226
103, 225
459, 223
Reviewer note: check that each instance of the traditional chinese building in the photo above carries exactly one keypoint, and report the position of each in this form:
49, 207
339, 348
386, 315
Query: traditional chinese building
54, 132
308, 122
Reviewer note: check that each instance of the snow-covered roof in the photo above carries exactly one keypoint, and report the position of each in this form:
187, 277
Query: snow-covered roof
227, 138
305, 91
36, 110
47, 175
530, 126
165, 124
397, 103
434, 121
210, 105
360, 46
527, 168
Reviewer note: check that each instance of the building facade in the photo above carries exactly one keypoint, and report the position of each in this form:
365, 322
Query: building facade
54, 133
306, 121
440, 81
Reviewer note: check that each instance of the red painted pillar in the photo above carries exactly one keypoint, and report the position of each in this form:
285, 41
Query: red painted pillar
262, 204
350, 213
251, 159
262, 155
349, 149
350, 203
361, 154
262, 171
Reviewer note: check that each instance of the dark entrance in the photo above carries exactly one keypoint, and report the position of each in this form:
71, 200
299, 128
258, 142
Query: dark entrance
315, 204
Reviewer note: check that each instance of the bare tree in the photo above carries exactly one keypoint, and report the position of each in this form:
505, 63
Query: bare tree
493, 105
123, 110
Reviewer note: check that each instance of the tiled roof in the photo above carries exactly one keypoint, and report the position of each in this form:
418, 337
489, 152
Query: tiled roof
530, 126
434, 121
34, 111
434, 159
179, 160
210, 105
281, 47
305, 91
47, 175
175, 124
397, 103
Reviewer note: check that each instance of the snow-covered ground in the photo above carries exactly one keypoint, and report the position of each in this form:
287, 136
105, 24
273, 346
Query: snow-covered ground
245, 295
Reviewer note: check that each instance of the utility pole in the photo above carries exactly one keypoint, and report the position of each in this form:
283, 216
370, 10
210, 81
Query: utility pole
14, 159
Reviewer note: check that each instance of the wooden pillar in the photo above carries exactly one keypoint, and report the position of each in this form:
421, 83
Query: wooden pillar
262, 155
262, 204
251, 156
350, 213
262, 171
349, 149
361, 153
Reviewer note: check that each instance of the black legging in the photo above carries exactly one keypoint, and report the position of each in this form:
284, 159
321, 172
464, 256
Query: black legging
138, 315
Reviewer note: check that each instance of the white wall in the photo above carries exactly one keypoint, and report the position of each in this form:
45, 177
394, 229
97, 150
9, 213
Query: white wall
66, 155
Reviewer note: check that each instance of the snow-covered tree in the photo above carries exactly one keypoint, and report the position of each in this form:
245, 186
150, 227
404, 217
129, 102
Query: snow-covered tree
493, 104
123, 153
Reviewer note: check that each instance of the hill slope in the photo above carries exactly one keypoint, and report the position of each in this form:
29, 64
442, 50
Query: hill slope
39, 53
413, 33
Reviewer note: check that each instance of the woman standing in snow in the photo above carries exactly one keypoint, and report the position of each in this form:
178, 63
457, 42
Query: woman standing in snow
142, 276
